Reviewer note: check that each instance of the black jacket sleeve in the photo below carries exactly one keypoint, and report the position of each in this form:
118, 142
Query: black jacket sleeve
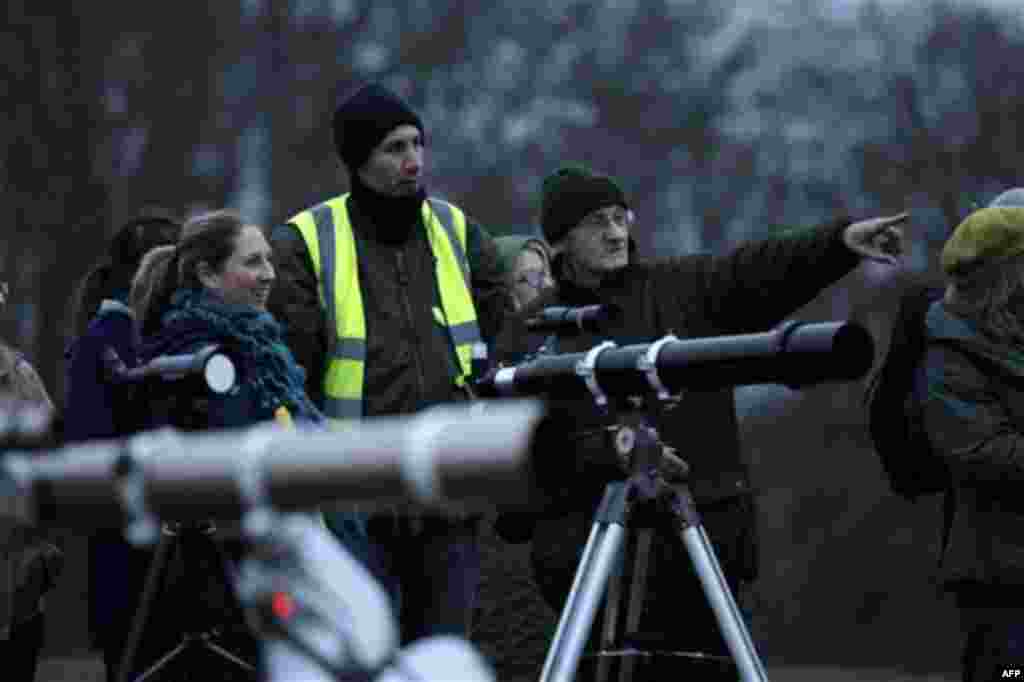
757, 285
490, 295
295, 303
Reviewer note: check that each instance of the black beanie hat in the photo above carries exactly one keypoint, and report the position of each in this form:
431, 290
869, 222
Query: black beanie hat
570, 194
365, 118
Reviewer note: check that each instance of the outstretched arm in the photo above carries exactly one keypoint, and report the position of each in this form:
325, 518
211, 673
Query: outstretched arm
757, 285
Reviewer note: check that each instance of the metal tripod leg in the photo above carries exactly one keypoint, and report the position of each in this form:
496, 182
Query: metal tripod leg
716, 589
611, 613
603, 548
638, 590
163, 661
153, 578
177, 540
727, 613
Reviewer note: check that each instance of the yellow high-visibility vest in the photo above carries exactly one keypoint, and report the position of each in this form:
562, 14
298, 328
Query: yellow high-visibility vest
327, 231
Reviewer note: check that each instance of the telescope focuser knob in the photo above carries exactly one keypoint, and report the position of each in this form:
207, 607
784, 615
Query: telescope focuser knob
673, 467
624, 440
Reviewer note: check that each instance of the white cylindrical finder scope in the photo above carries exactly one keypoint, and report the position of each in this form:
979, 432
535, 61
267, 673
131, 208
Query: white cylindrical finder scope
472, 456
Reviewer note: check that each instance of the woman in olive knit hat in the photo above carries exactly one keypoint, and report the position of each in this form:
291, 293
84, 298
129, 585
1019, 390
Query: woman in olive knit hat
974, 418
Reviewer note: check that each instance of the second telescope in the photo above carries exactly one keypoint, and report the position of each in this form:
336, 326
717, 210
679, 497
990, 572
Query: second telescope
796, 354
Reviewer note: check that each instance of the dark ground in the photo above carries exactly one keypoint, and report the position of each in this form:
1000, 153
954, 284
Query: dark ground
88, 670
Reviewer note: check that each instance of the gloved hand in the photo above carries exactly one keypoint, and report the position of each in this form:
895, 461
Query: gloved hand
671, 466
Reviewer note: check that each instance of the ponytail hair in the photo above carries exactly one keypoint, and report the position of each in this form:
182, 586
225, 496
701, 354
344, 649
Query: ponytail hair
152, 286
207, 238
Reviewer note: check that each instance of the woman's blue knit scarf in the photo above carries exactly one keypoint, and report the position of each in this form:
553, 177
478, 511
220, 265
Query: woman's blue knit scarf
196, 317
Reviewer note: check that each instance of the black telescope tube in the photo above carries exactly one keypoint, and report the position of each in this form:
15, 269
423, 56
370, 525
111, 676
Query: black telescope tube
210, 362
796, 355
568, 321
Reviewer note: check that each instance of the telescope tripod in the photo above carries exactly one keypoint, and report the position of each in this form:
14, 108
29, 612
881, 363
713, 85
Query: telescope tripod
645, 489
191, 543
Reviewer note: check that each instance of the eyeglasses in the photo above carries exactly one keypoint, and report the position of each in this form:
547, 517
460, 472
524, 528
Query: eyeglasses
533, 278
598, 220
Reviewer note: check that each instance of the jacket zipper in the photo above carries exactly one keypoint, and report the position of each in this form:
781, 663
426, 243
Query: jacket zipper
403, 280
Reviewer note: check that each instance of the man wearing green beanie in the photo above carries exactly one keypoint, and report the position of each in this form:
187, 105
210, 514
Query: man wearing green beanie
588, 220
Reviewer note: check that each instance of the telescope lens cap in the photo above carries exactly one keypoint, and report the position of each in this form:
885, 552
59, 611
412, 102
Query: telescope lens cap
219, 373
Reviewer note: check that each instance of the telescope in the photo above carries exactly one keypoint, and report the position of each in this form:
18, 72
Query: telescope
320, 613
466, 456
632, 386
211, 363
566, 321
796, 354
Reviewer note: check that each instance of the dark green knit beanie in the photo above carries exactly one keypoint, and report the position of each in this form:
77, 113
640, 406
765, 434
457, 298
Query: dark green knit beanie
570, 194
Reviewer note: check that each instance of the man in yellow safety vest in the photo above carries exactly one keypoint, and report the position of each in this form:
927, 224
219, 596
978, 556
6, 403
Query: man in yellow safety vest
388, 297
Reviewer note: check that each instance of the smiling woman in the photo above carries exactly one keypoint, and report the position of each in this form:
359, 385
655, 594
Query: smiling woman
247, 274
212, 288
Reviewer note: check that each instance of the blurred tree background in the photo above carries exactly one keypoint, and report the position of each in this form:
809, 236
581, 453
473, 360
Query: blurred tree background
724, 120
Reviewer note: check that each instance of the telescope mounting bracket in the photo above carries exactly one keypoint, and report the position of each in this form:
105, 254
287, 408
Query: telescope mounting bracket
647, 363
585, 370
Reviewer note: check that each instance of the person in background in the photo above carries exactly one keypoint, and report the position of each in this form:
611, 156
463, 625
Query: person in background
526, 262
29, 563
103, 319
589, 222
388, 297
212, 288
511, 622
974, 418
96, 407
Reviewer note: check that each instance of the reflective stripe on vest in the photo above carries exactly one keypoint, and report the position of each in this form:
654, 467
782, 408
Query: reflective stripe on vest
327, 232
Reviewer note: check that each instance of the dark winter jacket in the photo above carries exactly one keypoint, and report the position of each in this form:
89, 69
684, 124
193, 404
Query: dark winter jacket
95, 407
974, 416
749, 290
410, 364
29, 563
